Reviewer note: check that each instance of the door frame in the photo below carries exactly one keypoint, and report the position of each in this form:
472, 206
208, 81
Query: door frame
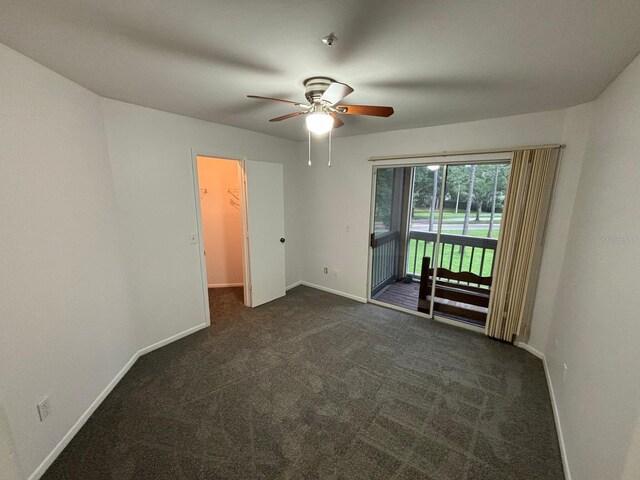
246, 281
441, 160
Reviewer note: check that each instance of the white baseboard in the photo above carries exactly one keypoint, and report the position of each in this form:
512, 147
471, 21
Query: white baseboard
293, 285
531, 350
224, 285
335, 292
46, 463
556, 416
554, 405
171, 339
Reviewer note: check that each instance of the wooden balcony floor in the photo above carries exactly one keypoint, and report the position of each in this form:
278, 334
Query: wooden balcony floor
400, 294
405, 295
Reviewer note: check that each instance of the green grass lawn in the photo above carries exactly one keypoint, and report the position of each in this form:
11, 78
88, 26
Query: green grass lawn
453, 255
423, 213
476, 233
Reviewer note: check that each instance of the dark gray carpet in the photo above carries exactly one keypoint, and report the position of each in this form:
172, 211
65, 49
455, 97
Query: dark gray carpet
316, 386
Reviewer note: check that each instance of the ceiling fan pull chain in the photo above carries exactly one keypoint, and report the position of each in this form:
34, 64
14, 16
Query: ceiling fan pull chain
309, 131
330, 134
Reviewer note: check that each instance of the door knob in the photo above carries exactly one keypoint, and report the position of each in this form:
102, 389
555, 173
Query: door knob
282, 240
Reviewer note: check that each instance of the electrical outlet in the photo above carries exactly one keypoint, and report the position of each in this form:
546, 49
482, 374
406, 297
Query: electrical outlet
325, 270
44, 408
193, 238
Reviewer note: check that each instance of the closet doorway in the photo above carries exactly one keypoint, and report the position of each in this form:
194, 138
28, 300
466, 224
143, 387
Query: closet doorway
222, 211
434, 237
240, 220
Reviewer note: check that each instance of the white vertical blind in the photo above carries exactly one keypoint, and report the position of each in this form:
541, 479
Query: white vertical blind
519, 244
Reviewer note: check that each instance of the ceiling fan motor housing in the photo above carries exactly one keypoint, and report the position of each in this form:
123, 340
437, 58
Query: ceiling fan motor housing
324, 96
315, 87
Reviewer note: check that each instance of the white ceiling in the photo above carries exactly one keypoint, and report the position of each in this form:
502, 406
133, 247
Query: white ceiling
435, 62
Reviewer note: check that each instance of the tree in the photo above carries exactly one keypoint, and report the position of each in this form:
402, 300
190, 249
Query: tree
489, 186
434, 199
470, 195
493, 199
483, 188
384, 192
425, 191
422, 187
457, 182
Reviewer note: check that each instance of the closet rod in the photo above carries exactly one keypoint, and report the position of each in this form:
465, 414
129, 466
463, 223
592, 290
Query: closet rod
455, 153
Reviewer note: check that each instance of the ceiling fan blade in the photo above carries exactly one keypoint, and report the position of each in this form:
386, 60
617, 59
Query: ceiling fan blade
298, 104
290, 115
336, 92
373, 110
337, 121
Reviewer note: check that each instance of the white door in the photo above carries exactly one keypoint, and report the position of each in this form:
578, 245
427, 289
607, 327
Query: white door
265, 222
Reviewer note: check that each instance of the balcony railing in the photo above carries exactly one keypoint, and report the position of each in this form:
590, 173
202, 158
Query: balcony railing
385, 259
458, 253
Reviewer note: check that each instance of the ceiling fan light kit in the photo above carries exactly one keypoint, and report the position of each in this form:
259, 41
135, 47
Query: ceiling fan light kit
323, 112
319, 121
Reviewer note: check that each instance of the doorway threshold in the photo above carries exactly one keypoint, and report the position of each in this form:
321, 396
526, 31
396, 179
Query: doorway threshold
437, 318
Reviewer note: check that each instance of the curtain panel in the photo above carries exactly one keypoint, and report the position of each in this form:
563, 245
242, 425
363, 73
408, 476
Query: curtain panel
520, 242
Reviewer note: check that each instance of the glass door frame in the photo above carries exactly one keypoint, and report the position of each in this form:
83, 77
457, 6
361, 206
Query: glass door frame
402, 186
436, 246
443, 161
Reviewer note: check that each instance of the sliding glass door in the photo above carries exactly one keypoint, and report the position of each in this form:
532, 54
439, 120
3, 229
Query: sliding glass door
459, 283
439, 257
389, 227
425, 215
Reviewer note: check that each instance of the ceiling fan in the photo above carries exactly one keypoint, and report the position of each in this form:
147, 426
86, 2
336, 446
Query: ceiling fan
323, 110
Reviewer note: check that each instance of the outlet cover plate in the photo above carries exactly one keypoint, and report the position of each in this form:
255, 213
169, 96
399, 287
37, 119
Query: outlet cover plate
44, 408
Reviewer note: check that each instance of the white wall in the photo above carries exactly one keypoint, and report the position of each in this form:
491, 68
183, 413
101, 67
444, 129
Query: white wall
9, 465
151, 159
631, 469
221, 220
65, 310
97, 199
595, 319
334, 202
576, 128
